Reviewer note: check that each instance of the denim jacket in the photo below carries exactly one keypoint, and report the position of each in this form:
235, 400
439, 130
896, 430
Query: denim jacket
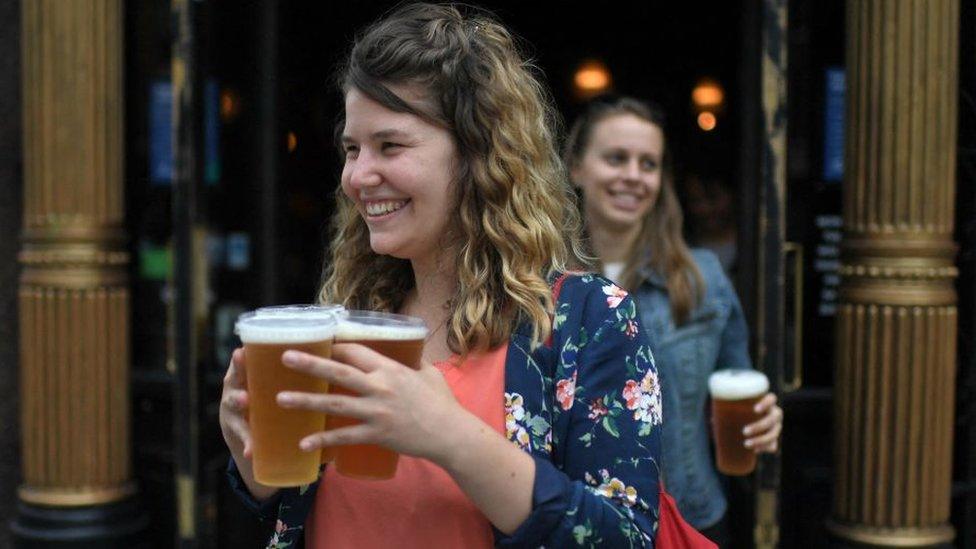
714, 337
586, 406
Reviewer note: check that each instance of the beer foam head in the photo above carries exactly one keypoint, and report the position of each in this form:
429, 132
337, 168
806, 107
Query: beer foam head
300, 310
369, 325
285, 329
735, 384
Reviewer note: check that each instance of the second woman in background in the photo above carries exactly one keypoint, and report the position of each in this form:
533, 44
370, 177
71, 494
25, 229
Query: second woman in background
617, 156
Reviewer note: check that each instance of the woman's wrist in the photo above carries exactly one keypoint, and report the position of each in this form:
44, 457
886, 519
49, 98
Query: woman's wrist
259, 491
452, 439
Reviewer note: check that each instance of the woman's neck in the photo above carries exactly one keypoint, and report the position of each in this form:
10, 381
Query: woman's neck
435, 283
610, 244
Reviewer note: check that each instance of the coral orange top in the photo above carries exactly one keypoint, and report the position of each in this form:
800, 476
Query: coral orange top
422, 506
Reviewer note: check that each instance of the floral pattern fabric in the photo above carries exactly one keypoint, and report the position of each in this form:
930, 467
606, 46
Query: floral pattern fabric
587, 407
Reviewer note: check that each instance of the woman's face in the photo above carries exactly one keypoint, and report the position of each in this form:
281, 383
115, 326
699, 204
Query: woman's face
620, 171
399, 170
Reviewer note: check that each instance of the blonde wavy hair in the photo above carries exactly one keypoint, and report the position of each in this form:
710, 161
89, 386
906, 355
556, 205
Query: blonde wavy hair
660, 244
516, 222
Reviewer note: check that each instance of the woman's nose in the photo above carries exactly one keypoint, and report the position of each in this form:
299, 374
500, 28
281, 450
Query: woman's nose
632, 171
363, 171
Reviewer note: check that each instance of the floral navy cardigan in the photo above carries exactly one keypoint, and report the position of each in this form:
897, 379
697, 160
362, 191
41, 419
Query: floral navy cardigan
586, 406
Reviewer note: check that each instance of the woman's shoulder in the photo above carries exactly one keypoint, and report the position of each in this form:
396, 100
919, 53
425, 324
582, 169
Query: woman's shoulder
707, 262
587, 288
590, 303
711, 271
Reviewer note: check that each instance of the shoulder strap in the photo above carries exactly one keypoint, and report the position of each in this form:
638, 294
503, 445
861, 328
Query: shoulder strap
557, 287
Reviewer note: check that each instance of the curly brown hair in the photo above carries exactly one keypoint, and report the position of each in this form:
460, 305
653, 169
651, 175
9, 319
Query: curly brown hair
516, 222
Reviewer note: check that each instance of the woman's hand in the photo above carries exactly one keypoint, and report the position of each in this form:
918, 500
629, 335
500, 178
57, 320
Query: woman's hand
233, 408
234, 425
406, 410
764, 434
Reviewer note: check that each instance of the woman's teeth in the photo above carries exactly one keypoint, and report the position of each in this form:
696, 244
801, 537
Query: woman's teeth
624, 199
383, 208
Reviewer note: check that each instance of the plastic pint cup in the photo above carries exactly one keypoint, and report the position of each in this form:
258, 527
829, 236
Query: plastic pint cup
303, 310
398, 337
275, 431
734, 394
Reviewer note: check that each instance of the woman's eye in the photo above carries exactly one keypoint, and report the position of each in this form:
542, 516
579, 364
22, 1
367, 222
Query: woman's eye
350, 150
616, 159
390, 146
648, 165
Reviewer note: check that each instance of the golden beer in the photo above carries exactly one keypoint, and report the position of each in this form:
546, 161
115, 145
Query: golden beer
328, 453
398, 337
734, 394
275, 431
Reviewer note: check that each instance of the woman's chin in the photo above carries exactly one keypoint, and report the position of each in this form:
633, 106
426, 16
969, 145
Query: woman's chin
386, 248
622, 221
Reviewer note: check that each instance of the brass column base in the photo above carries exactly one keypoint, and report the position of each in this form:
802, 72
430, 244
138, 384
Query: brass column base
55, 497
892, 537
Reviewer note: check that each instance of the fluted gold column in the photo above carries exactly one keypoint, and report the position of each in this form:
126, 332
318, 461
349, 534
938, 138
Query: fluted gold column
74, 299
896, 324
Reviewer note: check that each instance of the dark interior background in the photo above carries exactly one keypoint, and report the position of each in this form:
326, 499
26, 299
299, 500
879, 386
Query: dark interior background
265, 202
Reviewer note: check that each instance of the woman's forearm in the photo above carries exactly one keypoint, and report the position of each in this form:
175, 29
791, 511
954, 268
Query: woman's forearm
496, 475
259, 491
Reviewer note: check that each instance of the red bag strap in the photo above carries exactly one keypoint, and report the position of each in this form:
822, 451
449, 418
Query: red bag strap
557, 287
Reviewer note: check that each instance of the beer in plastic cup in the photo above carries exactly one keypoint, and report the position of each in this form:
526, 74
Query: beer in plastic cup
276, 431
305, 309
734, 393
398, 337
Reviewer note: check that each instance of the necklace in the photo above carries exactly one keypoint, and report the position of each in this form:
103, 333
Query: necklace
428, 351
430, 335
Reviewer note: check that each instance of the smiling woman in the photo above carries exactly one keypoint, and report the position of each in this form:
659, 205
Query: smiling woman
620, 174
618, 158
399, 173
534, 416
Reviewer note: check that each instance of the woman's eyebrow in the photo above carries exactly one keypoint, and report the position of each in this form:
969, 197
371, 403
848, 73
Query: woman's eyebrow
388, 134
391, 133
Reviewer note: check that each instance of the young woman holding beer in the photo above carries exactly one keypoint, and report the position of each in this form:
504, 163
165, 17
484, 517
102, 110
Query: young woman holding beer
618, 159
535, 415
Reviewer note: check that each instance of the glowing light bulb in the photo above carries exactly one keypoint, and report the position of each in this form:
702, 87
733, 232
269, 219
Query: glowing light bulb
707, 121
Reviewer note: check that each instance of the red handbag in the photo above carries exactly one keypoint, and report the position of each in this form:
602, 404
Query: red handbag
672, 530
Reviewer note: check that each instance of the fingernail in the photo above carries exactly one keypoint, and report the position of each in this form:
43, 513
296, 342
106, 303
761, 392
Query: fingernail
305, 445
748, 444
285, 398
290, 358
756, 409
746, 431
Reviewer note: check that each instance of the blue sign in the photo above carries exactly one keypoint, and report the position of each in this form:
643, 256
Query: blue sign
238, 249
833, 152
161, 133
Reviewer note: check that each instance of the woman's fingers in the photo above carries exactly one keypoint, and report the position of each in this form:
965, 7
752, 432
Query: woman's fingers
349, 376
362, 357
766, 442
765, 403
240, 429
236, 376
764, 424
765, 433
235, 399
342, 405
354, 434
